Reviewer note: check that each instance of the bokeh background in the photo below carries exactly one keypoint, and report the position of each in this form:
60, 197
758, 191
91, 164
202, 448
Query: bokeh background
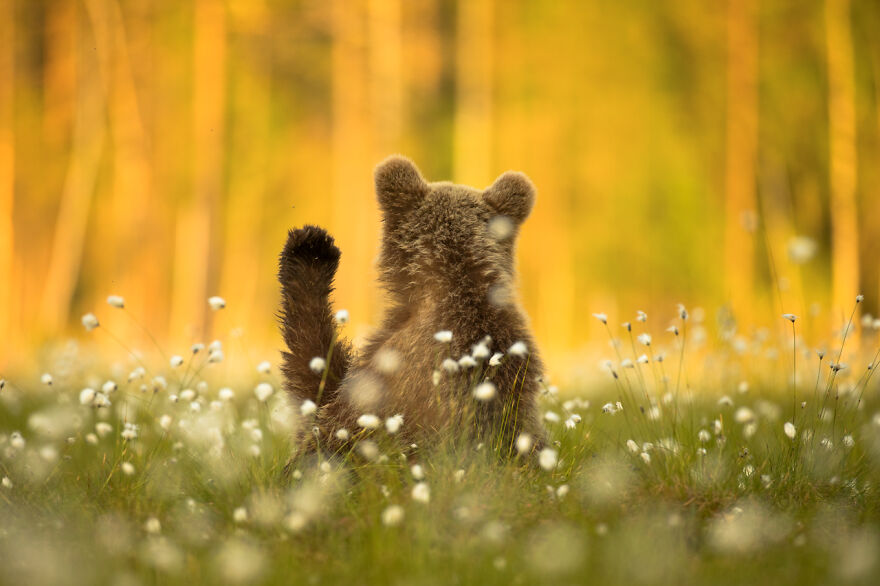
721, 154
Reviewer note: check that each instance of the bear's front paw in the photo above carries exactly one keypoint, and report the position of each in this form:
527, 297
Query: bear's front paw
310, 245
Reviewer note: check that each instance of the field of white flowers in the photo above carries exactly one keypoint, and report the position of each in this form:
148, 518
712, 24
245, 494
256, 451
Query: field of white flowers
709, 456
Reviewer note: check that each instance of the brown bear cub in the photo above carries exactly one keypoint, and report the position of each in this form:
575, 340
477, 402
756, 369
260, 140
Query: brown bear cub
447, 264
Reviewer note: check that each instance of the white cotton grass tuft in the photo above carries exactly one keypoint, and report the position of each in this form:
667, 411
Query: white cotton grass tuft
485, 391
216, 303
418, 473
641, 316
500, 227
518, 349
789, 429
341, 316
387, 360
548, 458
317, 365
153, 526
394, 423
644, 339
7, 483
176, 361
421, 492
392, 516
466, 362
342, 434
524, 443
480, 351
116, 301
443, 336
226, 394
369, 421
801, 249
308, 408
601, 317
46, 378
240, 515
90, 322
87, 396
265, 367
128, 468
790, 317
263, 391
450, 366
495, 360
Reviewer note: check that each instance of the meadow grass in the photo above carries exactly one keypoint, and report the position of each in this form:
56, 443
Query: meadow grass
695, 462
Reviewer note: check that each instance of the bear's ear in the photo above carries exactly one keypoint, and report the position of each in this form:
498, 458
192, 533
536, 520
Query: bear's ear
399, 185
512, 195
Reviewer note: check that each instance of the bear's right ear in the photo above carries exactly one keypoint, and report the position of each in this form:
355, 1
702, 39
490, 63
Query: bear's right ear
399, 185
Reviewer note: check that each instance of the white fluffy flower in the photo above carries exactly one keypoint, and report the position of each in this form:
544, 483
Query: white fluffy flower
263, 391
443, 336
480, 351
789, 429
392, 516
644, 339
518, 349
601, 317
632, 446
342, 434
307, 408
176, 361
87, 396
524, 443
466, 362
369, 421
421, 492
6, 482
128, 468
418, 473
46, 378
264, 367
342, 316
450, 366
216, 303
485, 391
790, 317
226, 394
215, 356
153, 526
90, 322
240, 515
393, 424
317, 365
496, 359
548, 458
116, 301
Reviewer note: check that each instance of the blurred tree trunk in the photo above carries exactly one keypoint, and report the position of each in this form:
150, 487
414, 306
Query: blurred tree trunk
474, 43
8, 284
196, 260
386, 76
134, 262
355, 213
250, 139
79, 185
842, 156
741, 154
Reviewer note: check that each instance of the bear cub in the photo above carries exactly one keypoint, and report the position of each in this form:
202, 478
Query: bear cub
453, 356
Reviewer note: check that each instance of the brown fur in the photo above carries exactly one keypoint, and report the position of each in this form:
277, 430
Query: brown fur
443, 269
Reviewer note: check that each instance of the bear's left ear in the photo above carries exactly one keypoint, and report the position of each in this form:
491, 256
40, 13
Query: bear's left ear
512, 195
399, 185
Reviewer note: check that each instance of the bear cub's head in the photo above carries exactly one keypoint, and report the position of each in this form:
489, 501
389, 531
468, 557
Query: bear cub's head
442, 233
